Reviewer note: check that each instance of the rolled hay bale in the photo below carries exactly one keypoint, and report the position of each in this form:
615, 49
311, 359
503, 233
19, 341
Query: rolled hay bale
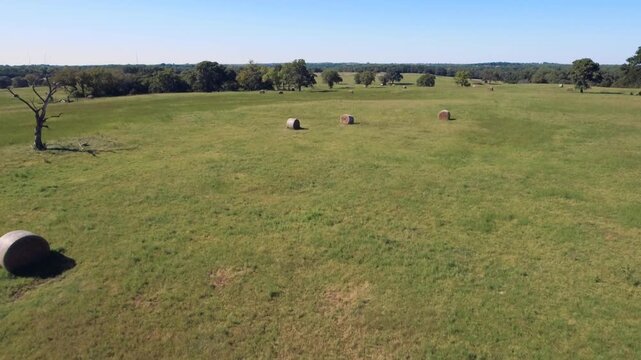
560, 85
293, 123
444, 115
347, 119
21, 249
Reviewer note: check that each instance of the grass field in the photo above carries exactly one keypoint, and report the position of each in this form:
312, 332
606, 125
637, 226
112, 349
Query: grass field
203, 228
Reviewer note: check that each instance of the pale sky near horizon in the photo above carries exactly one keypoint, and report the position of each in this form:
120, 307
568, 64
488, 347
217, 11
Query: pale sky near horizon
73, 32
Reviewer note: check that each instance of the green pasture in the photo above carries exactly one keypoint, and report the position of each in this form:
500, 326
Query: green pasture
202, 228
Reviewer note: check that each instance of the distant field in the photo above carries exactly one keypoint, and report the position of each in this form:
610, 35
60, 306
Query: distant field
204, 229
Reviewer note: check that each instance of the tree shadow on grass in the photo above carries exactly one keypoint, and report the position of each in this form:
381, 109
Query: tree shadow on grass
604, 93
60, 149
54, 265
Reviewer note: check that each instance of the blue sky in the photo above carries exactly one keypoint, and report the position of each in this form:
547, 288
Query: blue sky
188, 31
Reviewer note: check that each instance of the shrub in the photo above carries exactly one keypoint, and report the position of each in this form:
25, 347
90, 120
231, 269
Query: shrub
427, 80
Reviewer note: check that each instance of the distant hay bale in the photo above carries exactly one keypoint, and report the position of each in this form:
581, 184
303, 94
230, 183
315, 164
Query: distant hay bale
560, 85
20, 249
347, 119
404, 87
492, 88
293, 123
444, 115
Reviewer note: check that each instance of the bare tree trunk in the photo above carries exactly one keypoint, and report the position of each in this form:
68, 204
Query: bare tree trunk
37, 142
40, 112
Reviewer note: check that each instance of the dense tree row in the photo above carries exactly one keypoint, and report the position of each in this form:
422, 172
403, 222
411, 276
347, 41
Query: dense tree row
209, 76
205, 76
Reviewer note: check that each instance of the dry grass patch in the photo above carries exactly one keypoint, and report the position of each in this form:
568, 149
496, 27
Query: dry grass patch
225, 276
348, 298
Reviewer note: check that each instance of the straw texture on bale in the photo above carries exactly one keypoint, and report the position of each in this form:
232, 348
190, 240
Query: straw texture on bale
347, 119
444, 115
293, 123
20, 249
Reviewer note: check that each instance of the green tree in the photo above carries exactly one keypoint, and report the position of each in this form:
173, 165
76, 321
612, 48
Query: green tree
331, 77
296, 74
5, 82
357, 78
462, 78
428, 80
210, 76
390, 76
32, 79
167, 81
632, 70
383, 78
394, 76
366, 77
69, 78
274, 76
489, 75
19, 82
252, 77
584, 73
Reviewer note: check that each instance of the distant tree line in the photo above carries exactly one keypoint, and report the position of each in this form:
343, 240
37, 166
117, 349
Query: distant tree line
207, 76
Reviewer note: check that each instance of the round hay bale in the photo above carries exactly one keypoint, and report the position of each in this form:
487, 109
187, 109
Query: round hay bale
560, 85
293, 123
347, 119
20, 249
404, 87
444, 115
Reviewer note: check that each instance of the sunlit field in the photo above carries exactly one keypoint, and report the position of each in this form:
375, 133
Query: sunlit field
202, 228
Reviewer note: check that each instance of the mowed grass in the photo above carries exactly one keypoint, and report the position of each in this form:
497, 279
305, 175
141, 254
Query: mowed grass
205, 229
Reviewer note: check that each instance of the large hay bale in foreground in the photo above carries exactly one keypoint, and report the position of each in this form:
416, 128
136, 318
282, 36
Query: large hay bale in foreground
21, 249
444, 115
347, 119
293, 123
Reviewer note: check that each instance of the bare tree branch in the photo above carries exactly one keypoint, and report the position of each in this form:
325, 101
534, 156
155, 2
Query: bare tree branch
52, 117
40, 112
33, 87
23, 100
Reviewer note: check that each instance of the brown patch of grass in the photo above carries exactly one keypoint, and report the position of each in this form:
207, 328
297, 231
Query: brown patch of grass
141, 301
348, 298
225, 276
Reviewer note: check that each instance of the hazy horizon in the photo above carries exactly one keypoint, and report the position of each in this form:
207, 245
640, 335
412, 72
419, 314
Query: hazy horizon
405, 32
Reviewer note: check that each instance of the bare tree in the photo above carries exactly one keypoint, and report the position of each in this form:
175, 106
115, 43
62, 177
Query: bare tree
39, 108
